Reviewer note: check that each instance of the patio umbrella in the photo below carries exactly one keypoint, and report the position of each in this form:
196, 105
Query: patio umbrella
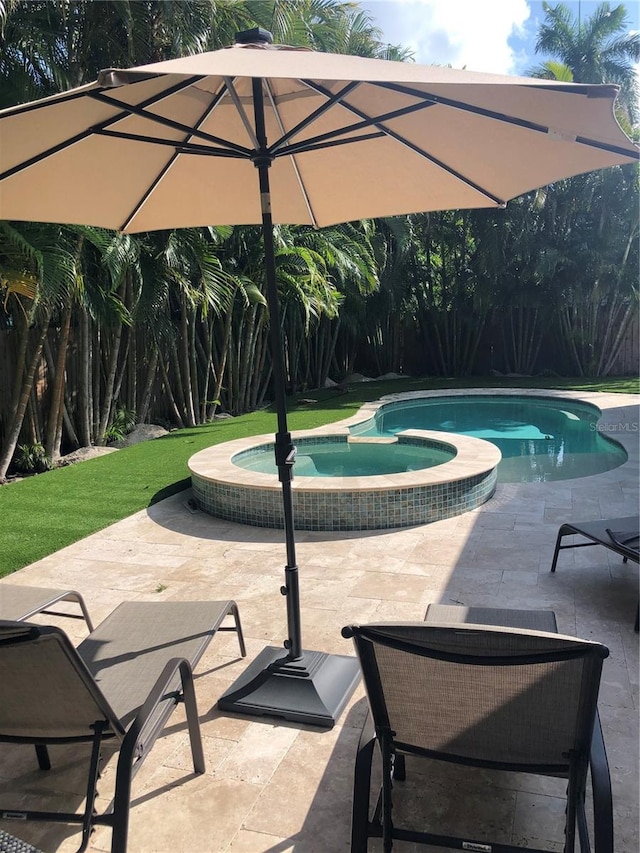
258, 133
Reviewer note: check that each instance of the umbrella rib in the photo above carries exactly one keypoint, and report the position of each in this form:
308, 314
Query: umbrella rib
191, 132
179, 147
312, 116
174, 125
95, 129
19, 167
605, 146
411, 145
320, 146
137, 207
37, 105
504, 117
315, 141
231, 89
303, 189
461, 105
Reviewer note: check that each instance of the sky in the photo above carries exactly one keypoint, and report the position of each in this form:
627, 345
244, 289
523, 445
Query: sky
497, 36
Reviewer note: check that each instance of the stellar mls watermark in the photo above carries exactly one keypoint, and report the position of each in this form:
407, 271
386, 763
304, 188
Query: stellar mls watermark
620, 426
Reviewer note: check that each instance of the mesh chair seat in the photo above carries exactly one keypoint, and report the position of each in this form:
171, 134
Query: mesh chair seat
22, 602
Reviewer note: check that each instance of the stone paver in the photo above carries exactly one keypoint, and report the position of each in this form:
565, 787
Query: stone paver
273, 786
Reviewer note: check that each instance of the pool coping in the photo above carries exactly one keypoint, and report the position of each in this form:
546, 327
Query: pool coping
474, 457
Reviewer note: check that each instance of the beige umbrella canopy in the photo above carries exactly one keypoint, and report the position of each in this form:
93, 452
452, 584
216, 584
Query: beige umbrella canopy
173, 144
261, 134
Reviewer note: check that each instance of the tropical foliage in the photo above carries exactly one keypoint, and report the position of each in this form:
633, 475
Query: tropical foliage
599, 49
98, 330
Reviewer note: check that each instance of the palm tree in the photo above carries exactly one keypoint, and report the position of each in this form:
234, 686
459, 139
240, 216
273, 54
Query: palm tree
600, 49
38, 268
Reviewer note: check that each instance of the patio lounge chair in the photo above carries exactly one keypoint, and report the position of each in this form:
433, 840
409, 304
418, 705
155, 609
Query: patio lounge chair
117, 688
478, 694
18, 603
621, 535
617, 534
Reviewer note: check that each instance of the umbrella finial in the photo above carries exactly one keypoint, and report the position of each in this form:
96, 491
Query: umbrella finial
255, 36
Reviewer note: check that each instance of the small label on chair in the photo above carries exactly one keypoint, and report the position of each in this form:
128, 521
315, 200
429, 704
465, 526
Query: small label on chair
14, 815
473, 845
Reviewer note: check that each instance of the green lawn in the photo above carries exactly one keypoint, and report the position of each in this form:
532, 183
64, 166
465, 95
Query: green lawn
42, 514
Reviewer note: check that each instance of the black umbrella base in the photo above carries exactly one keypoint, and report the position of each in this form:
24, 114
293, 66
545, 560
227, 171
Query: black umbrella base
312, 690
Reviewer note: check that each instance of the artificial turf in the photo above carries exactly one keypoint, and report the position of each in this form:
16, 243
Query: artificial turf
44, 513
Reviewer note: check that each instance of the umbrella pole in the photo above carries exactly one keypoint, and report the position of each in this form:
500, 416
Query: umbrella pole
285, 451
302, 686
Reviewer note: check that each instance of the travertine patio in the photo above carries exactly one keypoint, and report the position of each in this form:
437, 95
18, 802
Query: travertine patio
274, 787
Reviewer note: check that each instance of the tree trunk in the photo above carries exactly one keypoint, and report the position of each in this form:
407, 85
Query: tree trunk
167, 385
145, 402
222, 362
53, 436
193, 364
86, 399
184, 363
108, 399
13, 433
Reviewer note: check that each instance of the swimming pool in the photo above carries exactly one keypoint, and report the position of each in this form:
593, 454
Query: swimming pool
541, 439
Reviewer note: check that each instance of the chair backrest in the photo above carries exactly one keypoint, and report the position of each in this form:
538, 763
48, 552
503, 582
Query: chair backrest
47, 691
489, 696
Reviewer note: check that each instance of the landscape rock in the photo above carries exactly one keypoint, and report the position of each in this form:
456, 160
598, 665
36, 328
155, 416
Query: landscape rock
357, 377
140, 432
82, 454
393, 376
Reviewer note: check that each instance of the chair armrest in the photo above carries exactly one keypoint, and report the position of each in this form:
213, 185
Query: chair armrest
133, 751
157, 693
602, 799
362, 787
367, 736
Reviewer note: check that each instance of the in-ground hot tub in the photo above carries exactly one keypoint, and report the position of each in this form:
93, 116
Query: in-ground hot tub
415, 477
344, 456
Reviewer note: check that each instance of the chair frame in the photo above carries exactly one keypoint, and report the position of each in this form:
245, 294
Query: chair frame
133, 740
32, 600
393, 753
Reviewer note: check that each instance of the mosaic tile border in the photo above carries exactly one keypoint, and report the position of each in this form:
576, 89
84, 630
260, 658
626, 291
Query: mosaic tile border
346, 510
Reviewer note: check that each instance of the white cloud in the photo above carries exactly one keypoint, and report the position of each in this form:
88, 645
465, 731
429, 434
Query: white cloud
462, 33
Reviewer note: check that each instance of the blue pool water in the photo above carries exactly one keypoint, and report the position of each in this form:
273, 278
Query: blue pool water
333, 457
540, 439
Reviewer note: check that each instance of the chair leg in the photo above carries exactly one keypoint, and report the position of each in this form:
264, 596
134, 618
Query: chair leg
193, 722
42, 754
236, 615
602, 799
387, 806
236, 628
92, 785
85, 612
121, 801
362, 788
556, 552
